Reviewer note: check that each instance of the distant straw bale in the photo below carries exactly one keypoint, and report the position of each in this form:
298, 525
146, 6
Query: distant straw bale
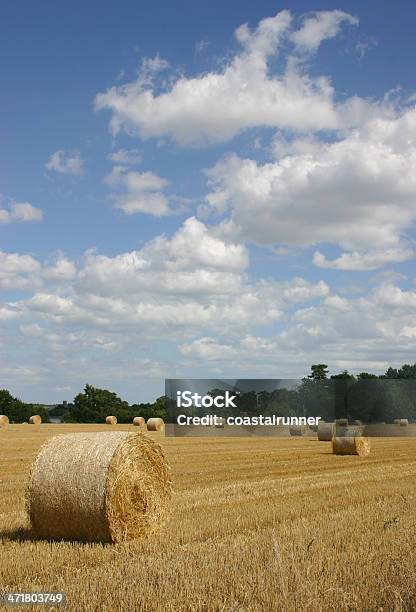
350, 431
111, 420
4, 421
99, 487
401, 422
155, 424
341, 422
326, 431
139, 421
351, 446
35, 419
296, 430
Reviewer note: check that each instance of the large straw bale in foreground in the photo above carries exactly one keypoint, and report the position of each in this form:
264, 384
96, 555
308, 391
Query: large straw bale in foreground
4, 421
139, 421
155, 424
111, 420
351, 446
35, 419
105, 487
326, 431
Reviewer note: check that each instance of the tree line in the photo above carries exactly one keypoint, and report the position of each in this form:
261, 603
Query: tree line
19, 411
364, 396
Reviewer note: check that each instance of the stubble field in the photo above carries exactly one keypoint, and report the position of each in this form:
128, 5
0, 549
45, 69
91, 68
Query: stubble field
258, 524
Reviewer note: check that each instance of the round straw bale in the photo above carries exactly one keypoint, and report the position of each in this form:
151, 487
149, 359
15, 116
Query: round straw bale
313, 428
138, 421
111, 420
401, 422
155, 424
99, 487
351, 446
295, 430
35, 419
325, 431
4, 421
341, 422
351, 431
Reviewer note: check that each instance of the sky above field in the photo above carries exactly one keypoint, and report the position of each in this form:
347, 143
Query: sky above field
204, 190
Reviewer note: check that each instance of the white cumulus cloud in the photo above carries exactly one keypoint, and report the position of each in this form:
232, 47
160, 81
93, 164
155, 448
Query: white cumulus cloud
129, 157
215, 106
139, 192
320, 26
65, 162
20, 212
358, 192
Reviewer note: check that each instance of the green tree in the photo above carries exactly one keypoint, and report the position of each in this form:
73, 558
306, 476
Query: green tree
341, 384
19, 411
93, 405
7, 402
344, 375
316, 394
366, 376
319, 371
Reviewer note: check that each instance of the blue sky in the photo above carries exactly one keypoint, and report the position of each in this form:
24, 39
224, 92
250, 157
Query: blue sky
222, 190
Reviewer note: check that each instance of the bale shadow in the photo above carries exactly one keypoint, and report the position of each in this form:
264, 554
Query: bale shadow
24, 534
20, 534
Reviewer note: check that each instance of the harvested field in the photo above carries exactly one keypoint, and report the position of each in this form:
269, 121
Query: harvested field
258, 524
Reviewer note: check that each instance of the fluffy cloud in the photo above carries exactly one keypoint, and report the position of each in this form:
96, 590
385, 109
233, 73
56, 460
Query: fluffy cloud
390, 295
214, 107
18, 271
60, 271
371, 260
24, 272
20, 211
320, 26
358, 192
65, 162
67, 341
129, 157
366, 333
191, 281
193, 261
192, 290
141, 192
209, 349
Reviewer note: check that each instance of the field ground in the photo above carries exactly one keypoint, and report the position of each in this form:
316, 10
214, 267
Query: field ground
258, 524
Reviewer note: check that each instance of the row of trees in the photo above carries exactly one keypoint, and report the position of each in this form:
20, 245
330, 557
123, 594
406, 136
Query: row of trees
365, 396
19, 411
93, 405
